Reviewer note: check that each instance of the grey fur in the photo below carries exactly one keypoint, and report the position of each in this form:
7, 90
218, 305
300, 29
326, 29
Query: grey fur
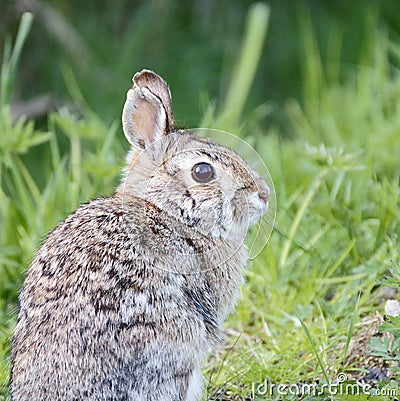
127, 295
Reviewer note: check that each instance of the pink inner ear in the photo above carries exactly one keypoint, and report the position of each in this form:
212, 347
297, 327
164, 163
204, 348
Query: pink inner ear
144, 118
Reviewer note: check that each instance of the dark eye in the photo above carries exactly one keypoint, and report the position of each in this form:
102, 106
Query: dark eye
202, 172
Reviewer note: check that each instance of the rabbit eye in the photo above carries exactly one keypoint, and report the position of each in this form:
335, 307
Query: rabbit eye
202, 172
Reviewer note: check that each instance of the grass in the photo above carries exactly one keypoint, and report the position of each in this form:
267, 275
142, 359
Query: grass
337, 183
337, 227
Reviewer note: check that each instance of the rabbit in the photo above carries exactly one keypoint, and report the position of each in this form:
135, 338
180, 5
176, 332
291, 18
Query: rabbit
127, 295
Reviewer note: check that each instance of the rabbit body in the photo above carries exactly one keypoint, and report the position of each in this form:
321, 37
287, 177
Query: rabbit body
127, 295
103, 317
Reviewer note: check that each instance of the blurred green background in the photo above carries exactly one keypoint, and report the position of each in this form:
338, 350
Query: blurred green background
318, 96
193, 44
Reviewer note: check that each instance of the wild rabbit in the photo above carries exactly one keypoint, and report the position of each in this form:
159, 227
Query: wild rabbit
127, 295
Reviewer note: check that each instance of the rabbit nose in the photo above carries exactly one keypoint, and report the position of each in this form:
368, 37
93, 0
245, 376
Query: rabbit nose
263, 190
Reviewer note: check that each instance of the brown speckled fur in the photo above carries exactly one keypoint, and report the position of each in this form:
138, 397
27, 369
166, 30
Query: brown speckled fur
127, 295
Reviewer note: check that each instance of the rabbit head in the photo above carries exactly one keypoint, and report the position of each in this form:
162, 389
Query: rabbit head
206, 186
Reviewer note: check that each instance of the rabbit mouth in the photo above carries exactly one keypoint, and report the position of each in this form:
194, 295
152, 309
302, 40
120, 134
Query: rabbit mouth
258, 205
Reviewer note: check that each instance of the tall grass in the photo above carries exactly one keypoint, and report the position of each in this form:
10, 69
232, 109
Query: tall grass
337, 228
338, 221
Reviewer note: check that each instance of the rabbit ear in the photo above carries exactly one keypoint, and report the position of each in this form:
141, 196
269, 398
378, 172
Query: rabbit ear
147, 114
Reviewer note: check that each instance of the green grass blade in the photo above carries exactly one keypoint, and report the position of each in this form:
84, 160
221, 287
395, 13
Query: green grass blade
354, 316
299, 215
243, 76
9, 66
310, 340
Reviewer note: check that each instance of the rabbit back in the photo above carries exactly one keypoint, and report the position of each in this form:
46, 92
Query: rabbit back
103, 314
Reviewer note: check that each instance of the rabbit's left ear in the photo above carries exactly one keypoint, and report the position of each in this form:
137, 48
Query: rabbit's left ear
147, 114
